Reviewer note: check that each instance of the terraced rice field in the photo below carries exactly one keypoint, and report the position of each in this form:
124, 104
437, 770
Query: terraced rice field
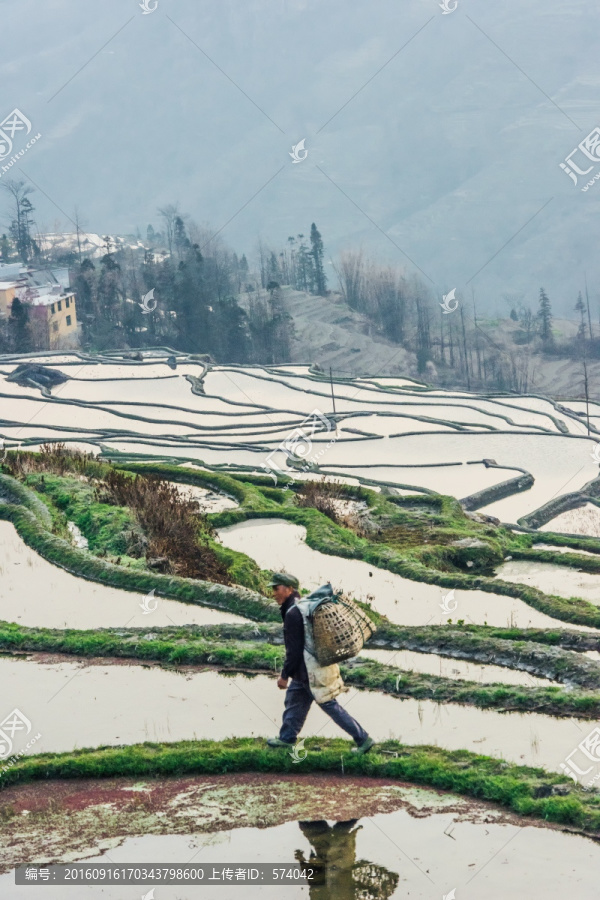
384, 429
157, 687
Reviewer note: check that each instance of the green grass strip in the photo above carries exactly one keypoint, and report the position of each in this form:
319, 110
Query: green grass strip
416, 564
186, 644
523, 790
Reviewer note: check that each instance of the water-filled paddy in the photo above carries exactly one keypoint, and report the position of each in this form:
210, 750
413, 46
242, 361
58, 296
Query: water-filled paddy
126, 704
552, 578
557, 549
447, 667
208, 501
94, 418
431, 850
258, 400
277, 544
411, 852
35, 593
584, 520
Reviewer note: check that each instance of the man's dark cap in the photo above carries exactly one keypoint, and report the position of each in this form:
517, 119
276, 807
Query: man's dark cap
283, 578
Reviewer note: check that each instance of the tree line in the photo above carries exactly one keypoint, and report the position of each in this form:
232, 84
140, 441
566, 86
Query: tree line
210, 300
204, 298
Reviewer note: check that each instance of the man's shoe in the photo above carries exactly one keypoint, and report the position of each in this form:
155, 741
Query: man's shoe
364, 747
277, 742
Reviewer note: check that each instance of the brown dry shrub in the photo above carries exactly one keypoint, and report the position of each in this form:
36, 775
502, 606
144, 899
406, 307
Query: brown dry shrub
57, 458
175, 530
322, 495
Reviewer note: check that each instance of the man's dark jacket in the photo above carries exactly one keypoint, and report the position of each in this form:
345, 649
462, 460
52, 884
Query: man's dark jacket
293, 636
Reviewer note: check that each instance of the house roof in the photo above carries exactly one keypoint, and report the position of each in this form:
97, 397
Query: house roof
12, 269
45, 297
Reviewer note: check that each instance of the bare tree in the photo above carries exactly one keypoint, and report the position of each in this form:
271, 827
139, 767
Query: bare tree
168, 214
263, 254
350, 272
78, 232
587, 300
386, 300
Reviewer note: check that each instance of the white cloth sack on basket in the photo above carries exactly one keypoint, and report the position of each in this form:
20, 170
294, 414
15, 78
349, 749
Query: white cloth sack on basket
325, 682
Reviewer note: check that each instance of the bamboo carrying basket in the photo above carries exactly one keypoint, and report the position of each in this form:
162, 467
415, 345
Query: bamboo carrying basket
340, 628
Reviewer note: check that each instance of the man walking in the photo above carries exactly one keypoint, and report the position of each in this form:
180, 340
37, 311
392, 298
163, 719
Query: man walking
323, 684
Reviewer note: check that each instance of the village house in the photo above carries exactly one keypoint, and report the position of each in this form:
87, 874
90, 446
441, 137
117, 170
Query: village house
50, 302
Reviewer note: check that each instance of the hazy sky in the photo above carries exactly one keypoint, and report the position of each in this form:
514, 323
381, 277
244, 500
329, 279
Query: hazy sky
433, 140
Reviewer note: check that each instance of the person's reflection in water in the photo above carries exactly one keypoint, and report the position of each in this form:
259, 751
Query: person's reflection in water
337, 873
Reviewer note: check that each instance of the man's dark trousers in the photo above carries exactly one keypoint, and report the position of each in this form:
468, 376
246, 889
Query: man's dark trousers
298, 700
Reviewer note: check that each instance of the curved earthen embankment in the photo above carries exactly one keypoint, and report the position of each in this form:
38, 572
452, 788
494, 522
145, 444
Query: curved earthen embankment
522, 482
589, 493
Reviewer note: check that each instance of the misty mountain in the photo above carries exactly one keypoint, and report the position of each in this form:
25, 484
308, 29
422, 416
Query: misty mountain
440, 134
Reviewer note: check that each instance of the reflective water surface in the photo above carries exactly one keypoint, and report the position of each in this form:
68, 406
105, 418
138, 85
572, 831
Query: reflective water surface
35, 593
382, 857
127, 704
280, 545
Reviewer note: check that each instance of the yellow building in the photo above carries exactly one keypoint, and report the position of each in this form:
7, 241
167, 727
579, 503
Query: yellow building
51, 304
53, 317
7, 295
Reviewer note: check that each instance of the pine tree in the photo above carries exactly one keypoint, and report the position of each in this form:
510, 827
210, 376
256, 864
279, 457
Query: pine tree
192, 305
545, 317
273, 273
305, 276
5, 253
230, 332
84, 285
18, 327
21, 226
180, 238
110, 302
316, 242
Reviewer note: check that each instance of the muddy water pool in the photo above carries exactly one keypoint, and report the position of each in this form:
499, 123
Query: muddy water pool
557, 549
585, 520
280, 545
35, 593
552, 579
384, 857
431, 664
208, 501
74, 705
